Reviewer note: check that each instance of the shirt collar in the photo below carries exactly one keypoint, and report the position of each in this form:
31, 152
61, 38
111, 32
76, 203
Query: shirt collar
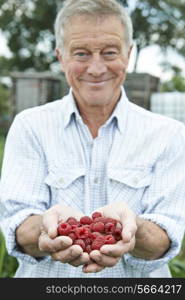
70, 109
120, 112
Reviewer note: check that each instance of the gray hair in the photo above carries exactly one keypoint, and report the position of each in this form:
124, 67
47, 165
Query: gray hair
94, 8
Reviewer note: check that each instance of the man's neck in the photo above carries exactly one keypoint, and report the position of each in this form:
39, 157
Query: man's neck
95, 117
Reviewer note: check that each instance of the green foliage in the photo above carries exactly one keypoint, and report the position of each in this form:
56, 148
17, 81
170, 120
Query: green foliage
25, 24
176, 83
159, 22
4, 99
177, 264
2, 141
29, 29
8, 264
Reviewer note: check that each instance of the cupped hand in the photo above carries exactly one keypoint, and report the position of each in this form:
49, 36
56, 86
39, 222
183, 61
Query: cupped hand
60, 247
109, 255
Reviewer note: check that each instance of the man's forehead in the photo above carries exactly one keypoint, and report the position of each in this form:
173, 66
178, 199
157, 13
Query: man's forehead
100, 44
81, 25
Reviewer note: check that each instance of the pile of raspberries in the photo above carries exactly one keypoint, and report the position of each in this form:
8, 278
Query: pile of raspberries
91, 233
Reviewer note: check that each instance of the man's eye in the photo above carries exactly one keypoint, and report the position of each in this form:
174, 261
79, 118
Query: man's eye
110, 53
81, 54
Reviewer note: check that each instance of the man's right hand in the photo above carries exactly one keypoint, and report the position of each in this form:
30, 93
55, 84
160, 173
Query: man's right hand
60, 247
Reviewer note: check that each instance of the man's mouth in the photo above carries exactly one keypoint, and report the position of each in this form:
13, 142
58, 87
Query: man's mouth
96, 82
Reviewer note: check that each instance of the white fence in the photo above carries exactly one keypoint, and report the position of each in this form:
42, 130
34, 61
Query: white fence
169, 104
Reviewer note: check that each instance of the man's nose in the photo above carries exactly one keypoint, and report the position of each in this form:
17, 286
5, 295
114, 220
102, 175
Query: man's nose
97, 66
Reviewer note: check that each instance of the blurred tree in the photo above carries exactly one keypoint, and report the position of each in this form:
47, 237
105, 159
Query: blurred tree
28, 28
176, 83
159, 22
4, 99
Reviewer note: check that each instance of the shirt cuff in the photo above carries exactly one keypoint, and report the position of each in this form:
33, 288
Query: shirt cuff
9, 226
175, 237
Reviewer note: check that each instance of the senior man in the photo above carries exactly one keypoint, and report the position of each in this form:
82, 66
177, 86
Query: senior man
93, 151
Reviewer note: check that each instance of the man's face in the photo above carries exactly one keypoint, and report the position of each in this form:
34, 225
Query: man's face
95, 59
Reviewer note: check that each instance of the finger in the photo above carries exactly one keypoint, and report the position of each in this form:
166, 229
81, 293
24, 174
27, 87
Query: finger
92, 268
116, 250
103, 260
108, 212
128, 220
68, 255
53, 245
50, 222
81, 260
129, 230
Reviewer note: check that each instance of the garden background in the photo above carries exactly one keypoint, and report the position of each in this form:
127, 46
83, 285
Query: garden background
27, 27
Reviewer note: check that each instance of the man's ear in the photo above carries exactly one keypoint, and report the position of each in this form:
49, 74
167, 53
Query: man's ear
60, 59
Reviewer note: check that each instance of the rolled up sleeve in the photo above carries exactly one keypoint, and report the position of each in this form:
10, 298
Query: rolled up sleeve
164, 200
22, 189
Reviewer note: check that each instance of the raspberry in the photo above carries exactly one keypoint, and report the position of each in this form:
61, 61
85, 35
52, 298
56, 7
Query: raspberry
80, 242
99, 219
82, 233
87, 226
94, 235
111, 220
109, 239
64, 229
88, 241
88, 248
85, 220
73, 227
72, 221
72, 236
96, 214
98, 242
109, 227
117, 234
91, 233
99, 227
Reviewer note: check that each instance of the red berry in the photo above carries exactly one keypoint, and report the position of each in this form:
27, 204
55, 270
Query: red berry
88, 248
117, 234
73, 227
72, 235
85, 220
109, 227
109, 239
72, 221
82, 233
88, 241
79, 242
64, 229
99, 226
98, 242
111, 220
94, 235
96, 214
99, 219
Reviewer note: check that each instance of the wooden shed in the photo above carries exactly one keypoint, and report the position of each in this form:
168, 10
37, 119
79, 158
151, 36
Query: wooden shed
33, 89
139, 88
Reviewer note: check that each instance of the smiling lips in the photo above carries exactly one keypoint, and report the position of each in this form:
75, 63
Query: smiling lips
96, 82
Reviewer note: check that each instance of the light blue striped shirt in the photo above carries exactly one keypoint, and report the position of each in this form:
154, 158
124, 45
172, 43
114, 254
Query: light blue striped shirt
50, 157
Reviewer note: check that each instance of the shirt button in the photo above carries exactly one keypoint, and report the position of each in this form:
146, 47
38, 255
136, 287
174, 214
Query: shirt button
61, 180
96, 180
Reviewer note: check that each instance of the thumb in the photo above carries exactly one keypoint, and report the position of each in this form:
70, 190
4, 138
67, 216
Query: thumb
50, 224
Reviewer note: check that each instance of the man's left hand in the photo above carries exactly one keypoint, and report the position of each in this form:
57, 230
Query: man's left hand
109, 255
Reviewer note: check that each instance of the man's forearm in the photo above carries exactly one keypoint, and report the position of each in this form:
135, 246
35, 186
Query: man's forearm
27, 236
152, 242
